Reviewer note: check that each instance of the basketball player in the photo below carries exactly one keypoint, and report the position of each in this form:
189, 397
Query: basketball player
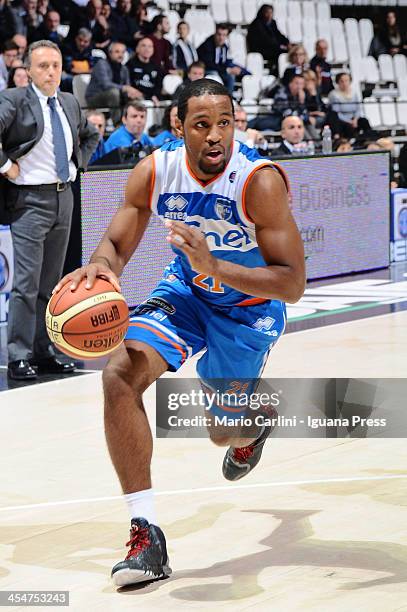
239, 257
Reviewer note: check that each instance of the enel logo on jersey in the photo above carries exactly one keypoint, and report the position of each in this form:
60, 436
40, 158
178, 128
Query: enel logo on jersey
219, 237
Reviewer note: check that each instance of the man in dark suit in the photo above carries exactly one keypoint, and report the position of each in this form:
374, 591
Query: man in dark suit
292, 133
214, 53
44, 139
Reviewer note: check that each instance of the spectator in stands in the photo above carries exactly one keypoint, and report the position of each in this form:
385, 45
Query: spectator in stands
99, 121
345, 117
392, 37
264, 37
48, 29
18, 77
160, 26
78, 53
145, 76
134, 119
322, 67
292, 134
291, 100
315, 106
123, 24
21, 42
97, 20
298, 63
249, 136
214, 54
8, 23
195, 71
169, 131
27, 18
9, 55
185, 53
143, 25
110, 82
342, 145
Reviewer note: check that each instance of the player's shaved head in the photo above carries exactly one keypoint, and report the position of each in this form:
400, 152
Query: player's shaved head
198, 88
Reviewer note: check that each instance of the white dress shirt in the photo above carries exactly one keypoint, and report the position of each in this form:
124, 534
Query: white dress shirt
38, 166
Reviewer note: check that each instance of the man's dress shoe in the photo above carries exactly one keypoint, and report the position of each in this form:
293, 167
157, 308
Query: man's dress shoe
21, 370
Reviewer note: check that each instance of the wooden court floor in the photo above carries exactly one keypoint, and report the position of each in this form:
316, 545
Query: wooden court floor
319, 525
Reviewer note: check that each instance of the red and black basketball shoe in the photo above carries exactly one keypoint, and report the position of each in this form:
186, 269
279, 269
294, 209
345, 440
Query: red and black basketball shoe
240, 461
147, 558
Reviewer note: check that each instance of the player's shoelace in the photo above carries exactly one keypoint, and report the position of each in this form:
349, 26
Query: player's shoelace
242, 454
138, 542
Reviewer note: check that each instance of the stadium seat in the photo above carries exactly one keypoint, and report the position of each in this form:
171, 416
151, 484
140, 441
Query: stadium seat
251, 87
400, 66
80, 83
174, 19
282, 64
386, 68
235, 12
388, 111
255, 63
163, 5
294, 29
366, 35
309, 29
237, 45
340, 51
308, 10
371, 110
294, 10
401, 106
215, 77
282, 25
170, 83
219, 12
323, 11
370, 69
352, 37
98, 54
280, 8
199, 38
249, 11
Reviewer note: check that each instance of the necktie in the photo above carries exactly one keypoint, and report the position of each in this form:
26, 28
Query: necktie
58, 138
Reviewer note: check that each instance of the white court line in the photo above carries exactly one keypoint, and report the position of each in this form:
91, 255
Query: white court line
225, 488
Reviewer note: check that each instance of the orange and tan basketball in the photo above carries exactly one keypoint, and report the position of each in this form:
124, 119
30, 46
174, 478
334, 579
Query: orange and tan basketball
87, 323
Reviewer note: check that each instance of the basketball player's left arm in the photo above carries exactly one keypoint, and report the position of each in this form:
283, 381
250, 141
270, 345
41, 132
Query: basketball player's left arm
283, 278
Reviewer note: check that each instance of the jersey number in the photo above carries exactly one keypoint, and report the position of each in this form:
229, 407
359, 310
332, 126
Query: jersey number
208, 283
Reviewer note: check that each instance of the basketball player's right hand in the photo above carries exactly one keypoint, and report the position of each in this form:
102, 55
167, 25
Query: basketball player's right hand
90, 272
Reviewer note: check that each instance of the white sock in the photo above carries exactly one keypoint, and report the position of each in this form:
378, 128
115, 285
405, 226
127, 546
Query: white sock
141, 504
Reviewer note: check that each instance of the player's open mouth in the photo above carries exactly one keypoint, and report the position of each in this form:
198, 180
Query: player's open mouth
214, 156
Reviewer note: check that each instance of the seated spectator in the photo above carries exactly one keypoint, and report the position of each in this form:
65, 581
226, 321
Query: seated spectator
322, 67
18, 77
195, 71
345, 109
21, 42
134, 119
27, 18
169, 131
160, 26
48, 29
110, 82
392, 37
315, 106
185, 53
291, 100
99, 121
96, 19
143, 25
250, 137
78, 53
145, 76
298, 63
8, 22
123, 24
292, 134
342, 145
214, 54
264, 37
9, 55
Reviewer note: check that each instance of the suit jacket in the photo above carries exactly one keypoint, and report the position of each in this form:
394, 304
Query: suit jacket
22, 126
281, 151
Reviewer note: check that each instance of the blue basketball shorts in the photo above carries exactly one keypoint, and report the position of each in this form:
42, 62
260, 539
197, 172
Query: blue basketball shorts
236, 340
